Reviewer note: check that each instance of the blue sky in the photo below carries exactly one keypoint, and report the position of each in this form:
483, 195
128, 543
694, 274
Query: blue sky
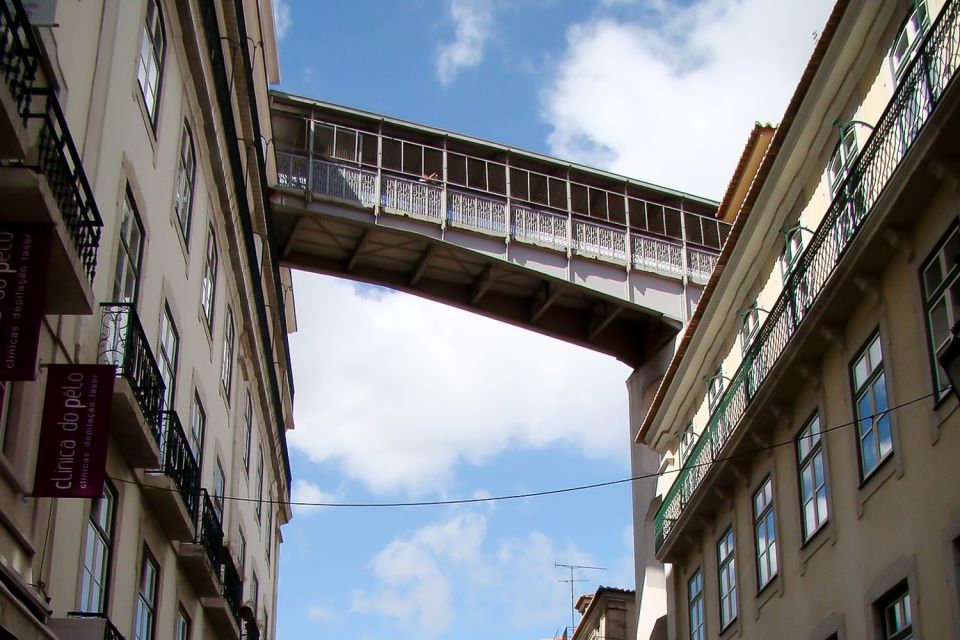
402, 399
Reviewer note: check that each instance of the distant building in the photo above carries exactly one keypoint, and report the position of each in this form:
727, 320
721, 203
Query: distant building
133, 136
608, 614
808, 439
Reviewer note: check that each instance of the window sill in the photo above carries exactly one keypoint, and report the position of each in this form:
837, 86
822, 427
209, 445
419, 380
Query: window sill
148, 125
942, 410
774, 587
732, 629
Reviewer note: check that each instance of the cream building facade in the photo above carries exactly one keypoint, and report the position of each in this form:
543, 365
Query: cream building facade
140, 129
807, 483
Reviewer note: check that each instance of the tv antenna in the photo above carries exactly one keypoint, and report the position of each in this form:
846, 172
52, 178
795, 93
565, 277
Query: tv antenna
574, 567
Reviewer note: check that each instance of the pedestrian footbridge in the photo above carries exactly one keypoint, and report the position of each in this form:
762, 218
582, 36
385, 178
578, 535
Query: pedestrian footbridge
592, 258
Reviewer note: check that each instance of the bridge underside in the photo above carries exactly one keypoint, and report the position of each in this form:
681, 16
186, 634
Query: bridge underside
546, 292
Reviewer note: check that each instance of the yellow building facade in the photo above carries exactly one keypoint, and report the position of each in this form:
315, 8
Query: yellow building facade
808, 439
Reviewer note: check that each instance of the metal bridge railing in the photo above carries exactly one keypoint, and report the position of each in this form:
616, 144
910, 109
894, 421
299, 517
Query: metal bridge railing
429, 200
930, 73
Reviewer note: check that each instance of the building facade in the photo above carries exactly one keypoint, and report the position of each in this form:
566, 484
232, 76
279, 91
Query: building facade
607, 614
135, 133
808, 485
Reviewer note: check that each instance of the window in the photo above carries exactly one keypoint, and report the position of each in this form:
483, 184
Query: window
873, 423
749, 324
182, 625
793, 247
255, 594
269, 544
813, 479
219, 488
96, 554
765, 528
209, 284
243, 552
260, 485
186, 173
897, 617
5, 442
146, 614
695, 590
150, 62
198, 425
941, 301
842, 158
226, 364
688, 440
169, 352
905, 44
715, 389
126, 278
727, 571
247, 429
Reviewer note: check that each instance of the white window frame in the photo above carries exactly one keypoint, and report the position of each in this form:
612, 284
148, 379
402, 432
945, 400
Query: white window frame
145, 616
911, 33
208, 285
226, 362
897, 617
843, 157
940, 283
169, 354
186, 177
97, 552
151, 58
869, 381
727, 578
812, 470
126, 277
695, 608
198, 426
765, 533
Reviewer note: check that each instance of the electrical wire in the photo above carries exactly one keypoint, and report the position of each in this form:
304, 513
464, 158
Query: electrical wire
546, 492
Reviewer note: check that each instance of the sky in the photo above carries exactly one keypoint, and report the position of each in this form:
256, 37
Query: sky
400, 399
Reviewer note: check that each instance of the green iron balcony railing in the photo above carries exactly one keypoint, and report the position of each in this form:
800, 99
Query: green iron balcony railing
179, 463
123, 343
58, 157
922, 87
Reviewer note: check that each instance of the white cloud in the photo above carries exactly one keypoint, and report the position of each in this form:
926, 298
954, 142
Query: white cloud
473, 24
396, 391
418, 576
669, 97
305, 491
319, 613
281, 18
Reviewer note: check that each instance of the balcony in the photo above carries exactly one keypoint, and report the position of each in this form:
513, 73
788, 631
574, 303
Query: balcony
202, 557
173, 490
85, 626
44, 182
138, 391
821, 291
224, 610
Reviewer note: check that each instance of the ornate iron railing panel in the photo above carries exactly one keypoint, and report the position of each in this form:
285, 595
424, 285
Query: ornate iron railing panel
18, 55
596, 241
179, 462
345, 183
123, 343
110, 631
232, 586
656, 254
292, 171
932, 70
210, 531
700, 264
413, 198
480, 214
539, 227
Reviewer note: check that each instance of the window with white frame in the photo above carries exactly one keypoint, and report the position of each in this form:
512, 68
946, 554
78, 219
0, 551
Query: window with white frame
247, 431
259, 507
169, 353
715, 389
793, 247
219, 488
242, 550
897, 618
813, 478
150, 60
226, 363
843, 157
146, 611
874, 430
749, 325
727, 573
765, 528
198, 425
186, 174
126, 277
941, 301
209, 283
181, 627
269, 543
688, 440
96, 554
911, 33
695, 604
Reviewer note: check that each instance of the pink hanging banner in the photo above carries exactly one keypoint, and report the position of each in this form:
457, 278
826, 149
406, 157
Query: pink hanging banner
24, 261
75, 428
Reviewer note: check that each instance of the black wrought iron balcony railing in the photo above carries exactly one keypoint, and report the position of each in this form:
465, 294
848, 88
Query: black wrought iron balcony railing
123, 343
916, 98
58, 158
210, 531
110, 631
232, 586
18, 56
60, 163
179, 463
